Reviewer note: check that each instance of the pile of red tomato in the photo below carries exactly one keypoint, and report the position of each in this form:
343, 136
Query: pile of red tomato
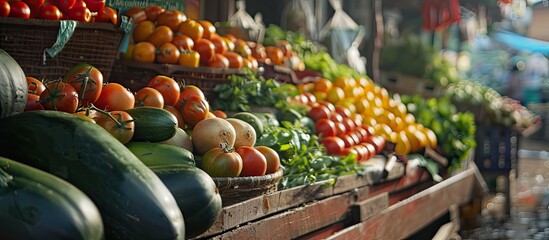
79, 10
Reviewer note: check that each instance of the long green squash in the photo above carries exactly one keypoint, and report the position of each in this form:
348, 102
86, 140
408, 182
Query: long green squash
37, 205
133, 202
13, 86
196, 195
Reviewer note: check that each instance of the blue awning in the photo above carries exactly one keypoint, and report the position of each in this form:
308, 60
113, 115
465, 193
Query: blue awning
520, 42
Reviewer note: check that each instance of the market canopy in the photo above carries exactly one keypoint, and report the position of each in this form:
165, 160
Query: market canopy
520, 42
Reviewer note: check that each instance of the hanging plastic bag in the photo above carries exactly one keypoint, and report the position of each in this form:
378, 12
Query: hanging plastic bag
243, 26
342, 35
298, 16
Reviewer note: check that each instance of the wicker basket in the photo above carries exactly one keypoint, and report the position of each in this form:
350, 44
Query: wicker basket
26, 39
135, 75
237, 189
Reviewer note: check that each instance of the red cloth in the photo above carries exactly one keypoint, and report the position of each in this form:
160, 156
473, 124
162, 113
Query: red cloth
438, 14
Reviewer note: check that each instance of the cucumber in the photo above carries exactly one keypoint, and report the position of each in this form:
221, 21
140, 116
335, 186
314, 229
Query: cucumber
152, 124
133, 202
37, 205
251, 119
158, 154
196, 195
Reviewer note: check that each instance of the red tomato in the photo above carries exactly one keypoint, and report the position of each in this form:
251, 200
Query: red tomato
362, 133
336, 117
79, 3
219, 113
340, 127
148, 96
153, 11
183, 42
114, 97
36, 86
33, 103
4, 8
272, 157
363, 152
349, 124
107, 14
348, 140
19, 9
81, 14
319, 112
325, 127
168, 87
371, 150
378, 142
195, 109
350, 150
221, 163
343, 111
189, 58
95, 5
50, 12
334, 145
220, 44
235, 60
59, 96
34, 3
65, 5
87, 81
206, 49
329, 105
122, 129
219, 61
254, 162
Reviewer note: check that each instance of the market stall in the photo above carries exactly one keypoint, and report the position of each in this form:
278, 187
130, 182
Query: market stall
177, 127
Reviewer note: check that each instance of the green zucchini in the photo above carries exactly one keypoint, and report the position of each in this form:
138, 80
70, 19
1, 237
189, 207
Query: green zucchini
37, 205
133, 202
159, 154
152, 124
196, 195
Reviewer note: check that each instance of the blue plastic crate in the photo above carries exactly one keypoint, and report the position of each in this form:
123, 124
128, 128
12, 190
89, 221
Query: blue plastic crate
497, 148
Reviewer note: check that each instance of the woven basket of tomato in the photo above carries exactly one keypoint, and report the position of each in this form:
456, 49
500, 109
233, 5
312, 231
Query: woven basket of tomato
26, 40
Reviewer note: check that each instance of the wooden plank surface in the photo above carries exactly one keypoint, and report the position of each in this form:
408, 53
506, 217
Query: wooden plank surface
406, 217
360, 211
298, 221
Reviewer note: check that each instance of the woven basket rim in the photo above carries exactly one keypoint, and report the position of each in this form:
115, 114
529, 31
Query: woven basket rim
169, 69
55, 23
250, 182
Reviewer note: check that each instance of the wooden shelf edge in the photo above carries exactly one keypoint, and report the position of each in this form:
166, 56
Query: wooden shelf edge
411, 214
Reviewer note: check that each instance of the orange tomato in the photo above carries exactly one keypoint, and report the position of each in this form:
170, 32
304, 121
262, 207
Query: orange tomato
144, 52
143, 30
183, 42
148, 96
189, 58
235, 60
167, 86
230, 44
219, 114
188, 91
160, 35
171, 18
191, 28
254, 62
220, 45
275, 54
153, 12
242, 48
177, 114
167, 53
209, 28
322, 85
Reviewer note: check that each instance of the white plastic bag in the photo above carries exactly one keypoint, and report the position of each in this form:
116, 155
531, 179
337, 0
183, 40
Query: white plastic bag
253, 28
298, 16
342, 35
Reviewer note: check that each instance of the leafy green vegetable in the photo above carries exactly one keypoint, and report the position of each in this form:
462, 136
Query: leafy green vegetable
242, 91
455, 130
304, 159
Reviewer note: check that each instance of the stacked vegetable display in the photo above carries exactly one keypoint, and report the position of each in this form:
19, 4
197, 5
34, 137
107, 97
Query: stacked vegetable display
78, 10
